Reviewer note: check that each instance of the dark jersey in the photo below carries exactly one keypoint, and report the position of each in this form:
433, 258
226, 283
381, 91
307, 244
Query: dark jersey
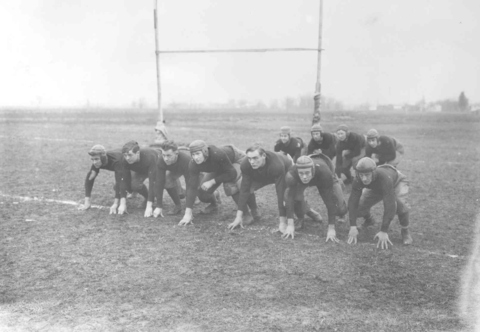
322, 179
326, 144
354, 143
293, 147
147, 167
219, 161
274, 170
383, 184
386, 149
180, 167
114, 164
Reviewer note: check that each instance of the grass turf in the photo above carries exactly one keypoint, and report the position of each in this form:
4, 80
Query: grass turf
64, 269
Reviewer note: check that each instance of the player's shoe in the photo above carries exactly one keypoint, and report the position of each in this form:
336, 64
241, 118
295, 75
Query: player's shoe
315, 216
298, 224
406, 237
176, 210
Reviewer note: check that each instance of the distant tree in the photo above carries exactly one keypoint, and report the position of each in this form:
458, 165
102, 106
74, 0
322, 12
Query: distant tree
242, 103
448, 105
274, 105
462, 102
260, 105
290, 103
305, 101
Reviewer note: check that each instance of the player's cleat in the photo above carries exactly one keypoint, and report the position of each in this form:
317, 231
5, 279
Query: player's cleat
406, 237
211, 208
218, 199
176, 210
369, 221
249, 219
314, 215
298, 224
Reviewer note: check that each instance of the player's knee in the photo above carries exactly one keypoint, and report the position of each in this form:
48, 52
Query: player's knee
230, 188
204, 196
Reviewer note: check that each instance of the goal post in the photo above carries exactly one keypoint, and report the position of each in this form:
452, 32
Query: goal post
317, 95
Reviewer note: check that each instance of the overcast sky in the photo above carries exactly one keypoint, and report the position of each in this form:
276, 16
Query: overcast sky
68, 53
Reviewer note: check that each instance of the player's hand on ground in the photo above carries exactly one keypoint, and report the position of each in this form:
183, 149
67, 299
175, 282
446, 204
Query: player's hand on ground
113, 209
148, 212
122, 209
332, 234
383, 240
158, 212
185, 220
86, 205
288, 228
282, 226
289, 231
237, 222
352, 235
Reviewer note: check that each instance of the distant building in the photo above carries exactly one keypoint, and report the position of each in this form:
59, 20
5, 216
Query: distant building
433, 108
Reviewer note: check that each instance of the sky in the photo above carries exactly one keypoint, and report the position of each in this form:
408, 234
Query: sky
102, 53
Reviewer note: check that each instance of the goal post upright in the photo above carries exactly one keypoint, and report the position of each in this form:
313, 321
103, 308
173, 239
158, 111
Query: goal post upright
157, 56
318, 85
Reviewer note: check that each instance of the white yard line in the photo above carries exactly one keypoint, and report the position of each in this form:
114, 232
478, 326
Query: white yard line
48, 200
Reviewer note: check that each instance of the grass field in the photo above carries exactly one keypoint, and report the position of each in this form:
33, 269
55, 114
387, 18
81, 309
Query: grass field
69, 270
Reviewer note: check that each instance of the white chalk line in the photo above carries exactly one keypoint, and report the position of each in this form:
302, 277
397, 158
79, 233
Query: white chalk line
51, 139
49, 200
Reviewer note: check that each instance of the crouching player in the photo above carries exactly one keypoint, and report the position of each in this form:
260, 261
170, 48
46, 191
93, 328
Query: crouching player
316, 172
259, 169
349, 150
373, 184
111, 161
144, 163
293, 146
221, 165
321, 142
171, 166
383, 149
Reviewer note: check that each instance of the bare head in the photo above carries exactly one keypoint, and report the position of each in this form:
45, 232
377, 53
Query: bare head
169, 152
256, 156
131, 152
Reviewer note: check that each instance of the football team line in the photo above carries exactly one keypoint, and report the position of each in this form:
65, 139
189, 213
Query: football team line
292, 166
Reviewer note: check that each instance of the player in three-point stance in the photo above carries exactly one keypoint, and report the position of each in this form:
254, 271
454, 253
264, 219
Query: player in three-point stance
144, 162
112, 161
172, 165
350, 149
219, 165
321, 142
316, 171
373, 184
262, 168
383, 149
293, 146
